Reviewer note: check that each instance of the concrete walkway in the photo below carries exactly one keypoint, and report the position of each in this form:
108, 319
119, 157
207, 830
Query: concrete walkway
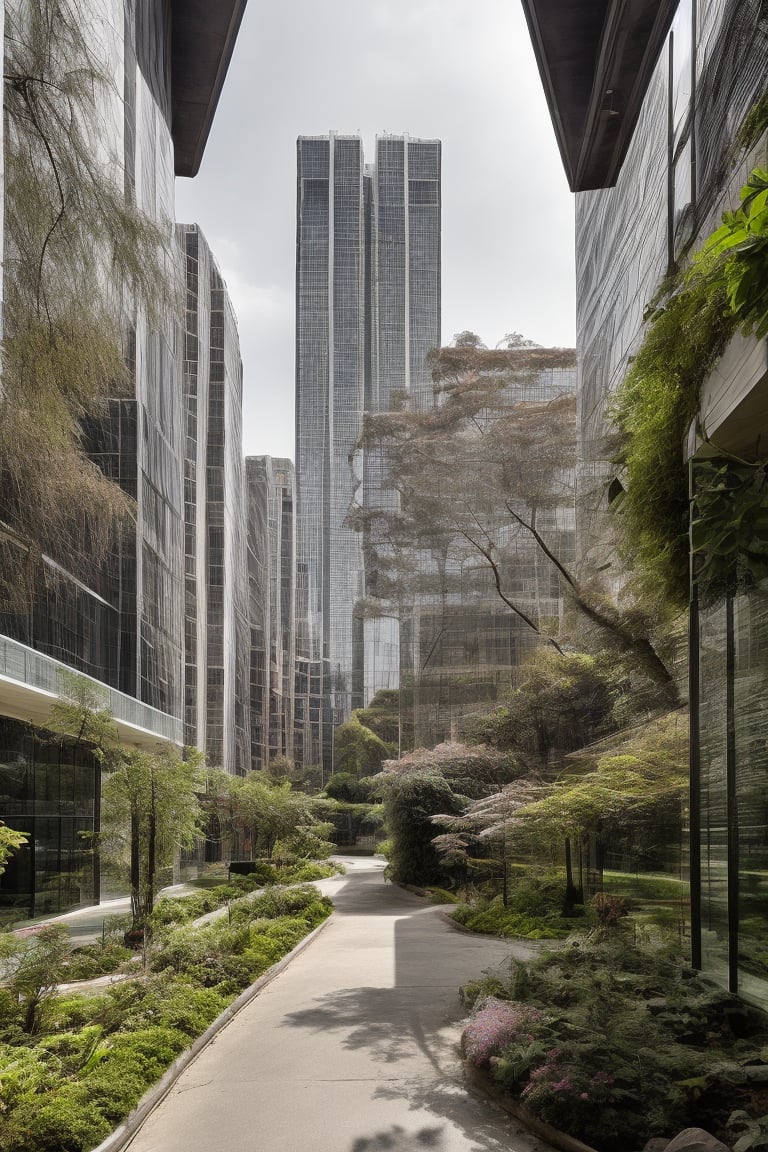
352, 1048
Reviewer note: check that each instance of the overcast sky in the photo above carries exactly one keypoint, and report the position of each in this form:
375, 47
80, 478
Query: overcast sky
459, 70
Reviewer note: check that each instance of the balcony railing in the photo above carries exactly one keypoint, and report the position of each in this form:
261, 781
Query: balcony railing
30, 682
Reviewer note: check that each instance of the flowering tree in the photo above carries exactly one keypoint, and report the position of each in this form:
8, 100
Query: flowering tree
491, 820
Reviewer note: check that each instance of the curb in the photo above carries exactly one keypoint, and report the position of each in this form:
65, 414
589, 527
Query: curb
480, 1083
123, 1134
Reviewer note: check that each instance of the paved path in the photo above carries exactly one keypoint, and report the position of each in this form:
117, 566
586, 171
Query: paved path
351, 1049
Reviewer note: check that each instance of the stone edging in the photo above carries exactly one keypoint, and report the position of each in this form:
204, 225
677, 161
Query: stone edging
479, 1081
125, 1132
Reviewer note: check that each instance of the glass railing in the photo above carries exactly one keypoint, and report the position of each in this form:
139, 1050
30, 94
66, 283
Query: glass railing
42, 673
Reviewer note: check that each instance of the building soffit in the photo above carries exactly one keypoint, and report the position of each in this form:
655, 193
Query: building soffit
596, 58
203, 35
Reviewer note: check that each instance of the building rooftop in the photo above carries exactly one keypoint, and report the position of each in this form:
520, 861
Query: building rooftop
596, 58
203, 35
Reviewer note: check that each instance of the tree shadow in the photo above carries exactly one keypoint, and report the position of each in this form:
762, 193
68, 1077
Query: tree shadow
396, 1139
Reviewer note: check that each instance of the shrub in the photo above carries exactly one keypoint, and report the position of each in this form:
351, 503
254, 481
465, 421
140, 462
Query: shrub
305, 901
627, 1044
495, 1024
499, 921
95, 960
58, 1122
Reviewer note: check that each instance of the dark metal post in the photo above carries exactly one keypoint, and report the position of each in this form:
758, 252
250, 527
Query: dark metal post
694, 755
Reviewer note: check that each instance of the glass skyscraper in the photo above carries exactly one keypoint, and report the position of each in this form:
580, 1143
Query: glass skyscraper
367, 314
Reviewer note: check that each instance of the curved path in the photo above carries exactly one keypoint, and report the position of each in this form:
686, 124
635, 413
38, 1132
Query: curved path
351, 1049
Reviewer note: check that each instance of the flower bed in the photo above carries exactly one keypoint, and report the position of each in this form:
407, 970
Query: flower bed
614, 1045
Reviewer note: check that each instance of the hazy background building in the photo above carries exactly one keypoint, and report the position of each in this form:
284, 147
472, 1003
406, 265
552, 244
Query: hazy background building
272, 578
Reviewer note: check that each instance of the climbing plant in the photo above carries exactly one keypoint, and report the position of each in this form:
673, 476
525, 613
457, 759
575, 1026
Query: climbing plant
722, 291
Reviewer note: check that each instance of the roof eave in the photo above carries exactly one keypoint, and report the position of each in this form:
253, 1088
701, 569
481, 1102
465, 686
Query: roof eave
203, 36
609, 73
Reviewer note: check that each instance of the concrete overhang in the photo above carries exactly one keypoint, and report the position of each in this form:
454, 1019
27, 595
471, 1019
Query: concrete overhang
596, 58
733, 409
203, 35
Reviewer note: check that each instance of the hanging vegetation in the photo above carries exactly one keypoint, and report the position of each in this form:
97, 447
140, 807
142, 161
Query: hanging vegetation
724, 290
79, 255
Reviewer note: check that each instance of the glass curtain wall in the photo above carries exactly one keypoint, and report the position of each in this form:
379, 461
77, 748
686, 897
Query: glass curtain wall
50, 790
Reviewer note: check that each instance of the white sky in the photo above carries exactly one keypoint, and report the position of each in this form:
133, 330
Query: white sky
459, 70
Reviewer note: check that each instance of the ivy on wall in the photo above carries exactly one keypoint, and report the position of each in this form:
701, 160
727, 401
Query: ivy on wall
722, 291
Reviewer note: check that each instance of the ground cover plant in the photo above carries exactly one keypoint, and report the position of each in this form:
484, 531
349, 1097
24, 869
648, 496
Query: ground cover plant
615, 1043
66, 1081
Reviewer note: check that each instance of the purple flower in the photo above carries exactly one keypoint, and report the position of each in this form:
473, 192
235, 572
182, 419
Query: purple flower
495, 1024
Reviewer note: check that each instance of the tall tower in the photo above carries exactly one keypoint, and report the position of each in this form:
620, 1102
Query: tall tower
367, 314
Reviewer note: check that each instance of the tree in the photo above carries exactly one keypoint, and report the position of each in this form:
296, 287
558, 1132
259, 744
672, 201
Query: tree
491, 820
347, 787
427, 782
563, 702
411, 799
10, 840
81, 714
485, 484
77, 251
32, 970
637, 780
359, 751
151, 808
390, 715
471, 771
257, 811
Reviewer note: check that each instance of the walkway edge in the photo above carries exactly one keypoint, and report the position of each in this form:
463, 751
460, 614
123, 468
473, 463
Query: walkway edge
480, 1083
123, 1134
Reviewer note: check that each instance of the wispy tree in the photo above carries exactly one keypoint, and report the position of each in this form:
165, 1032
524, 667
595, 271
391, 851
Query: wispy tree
79, 259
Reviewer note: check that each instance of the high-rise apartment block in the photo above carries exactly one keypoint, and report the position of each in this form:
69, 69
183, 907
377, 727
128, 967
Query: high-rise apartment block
367, 314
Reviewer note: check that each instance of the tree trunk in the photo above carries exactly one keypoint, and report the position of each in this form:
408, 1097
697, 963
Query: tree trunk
571, 893
149, 896
135, 864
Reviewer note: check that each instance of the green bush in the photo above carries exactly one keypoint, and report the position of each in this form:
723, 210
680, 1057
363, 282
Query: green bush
95, 960
495, 920
306, 871
261, 875
306, 902
57, 1122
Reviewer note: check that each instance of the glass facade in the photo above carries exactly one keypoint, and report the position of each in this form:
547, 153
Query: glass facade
367, 313
50, 790
733, 799
680, 173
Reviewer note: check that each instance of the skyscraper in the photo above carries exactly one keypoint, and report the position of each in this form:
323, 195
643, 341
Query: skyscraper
367, 313
217, 637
